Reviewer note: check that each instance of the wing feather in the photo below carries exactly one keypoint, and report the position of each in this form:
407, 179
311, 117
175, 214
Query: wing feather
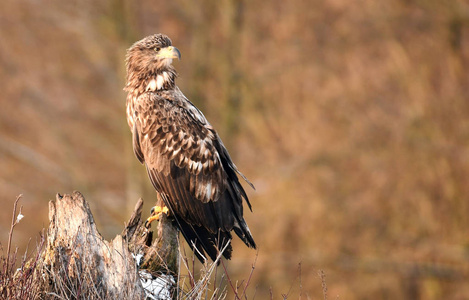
187, 162
136, 145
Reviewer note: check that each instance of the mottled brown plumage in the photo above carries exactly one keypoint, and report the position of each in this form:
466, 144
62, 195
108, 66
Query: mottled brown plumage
186, 160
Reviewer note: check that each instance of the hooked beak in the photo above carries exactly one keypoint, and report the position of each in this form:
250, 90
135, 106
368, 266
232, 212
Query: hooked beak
169, 52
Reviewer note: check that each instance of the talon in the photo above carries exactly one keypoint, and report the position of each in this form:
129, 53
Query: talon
156, 213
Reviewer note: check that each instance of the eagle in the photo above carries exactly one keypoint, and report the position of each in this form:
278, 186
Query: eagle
185, 158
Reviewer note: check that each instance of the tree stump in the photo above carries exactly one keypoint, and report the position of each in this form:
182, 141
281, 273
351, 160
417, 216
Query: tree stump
78, 263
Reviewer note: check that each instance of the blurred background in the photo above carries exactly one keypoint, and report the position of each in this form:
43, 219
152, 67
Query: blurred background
350, 117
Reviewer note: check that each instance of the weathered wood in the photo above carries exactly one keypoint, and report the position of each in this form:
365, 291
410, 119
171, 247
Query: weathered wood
163, 255
79, 263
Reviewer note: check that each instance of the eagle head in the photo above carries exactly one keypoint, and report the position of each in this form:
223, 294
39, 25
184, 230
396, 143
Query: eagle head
149, 64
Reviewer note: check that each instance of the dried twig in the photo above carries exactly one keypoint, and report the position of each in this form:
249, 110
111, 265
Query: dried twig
235, 291
322, 275
250, 275
14, 220
299, 275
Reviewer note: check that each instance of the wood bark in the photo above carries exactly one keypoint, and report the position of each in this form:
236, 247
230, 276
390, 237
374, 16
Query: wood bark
78, 263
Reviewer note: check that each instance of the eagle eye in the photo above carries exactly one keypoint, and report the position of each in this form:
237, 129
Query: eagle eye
157, 49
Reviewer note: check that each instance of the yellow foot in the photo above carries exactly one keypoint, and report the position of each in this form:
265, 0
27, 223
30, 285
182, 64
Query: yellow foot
156, 213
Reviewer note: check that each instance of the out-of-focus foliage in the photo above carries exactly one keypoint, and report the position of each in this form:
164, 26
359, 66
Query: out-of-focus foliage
351, 118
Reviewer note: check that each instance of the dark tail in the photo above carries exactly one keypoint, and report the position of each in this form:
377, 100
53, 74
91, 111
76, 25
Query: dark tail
203, 242
245, 234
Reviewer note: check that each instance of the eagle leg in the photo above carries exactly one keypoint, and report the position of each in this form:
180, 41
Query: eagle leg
155, 214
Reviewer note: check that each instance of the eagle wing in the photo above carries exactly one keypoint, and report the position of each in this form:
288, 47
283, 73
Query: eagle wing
189, 166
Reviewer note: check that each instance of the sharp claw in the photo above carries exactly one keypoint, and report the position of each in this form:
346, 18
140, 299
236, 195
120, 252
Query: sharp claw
155, 215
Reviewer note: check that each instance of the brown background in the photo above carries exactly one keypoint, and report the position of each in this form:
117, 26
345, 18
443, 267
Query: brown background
350, 117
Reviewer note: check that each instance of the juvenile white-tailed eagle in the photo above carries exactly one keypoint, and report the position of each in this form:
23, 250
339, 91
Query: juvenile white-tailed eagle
185, 158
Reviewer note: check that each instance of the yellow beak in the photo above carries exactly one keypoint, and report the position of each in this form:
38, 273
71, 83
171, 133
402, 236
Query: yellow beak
169, 52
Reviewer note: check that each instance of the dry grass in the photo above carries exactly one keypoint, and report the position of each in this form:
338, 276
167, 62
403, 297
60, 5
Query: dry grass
83, 284
18, 278
214, 282
75, 279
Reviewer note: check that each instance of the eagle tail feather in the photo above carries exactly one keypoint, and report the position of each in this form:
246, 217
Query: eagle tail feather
243, 232
203, 242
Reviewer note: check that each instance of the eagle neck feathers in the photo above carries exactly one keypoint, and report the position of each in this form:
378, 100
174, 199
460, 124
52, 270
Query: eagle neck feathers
139, 82
142, 80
